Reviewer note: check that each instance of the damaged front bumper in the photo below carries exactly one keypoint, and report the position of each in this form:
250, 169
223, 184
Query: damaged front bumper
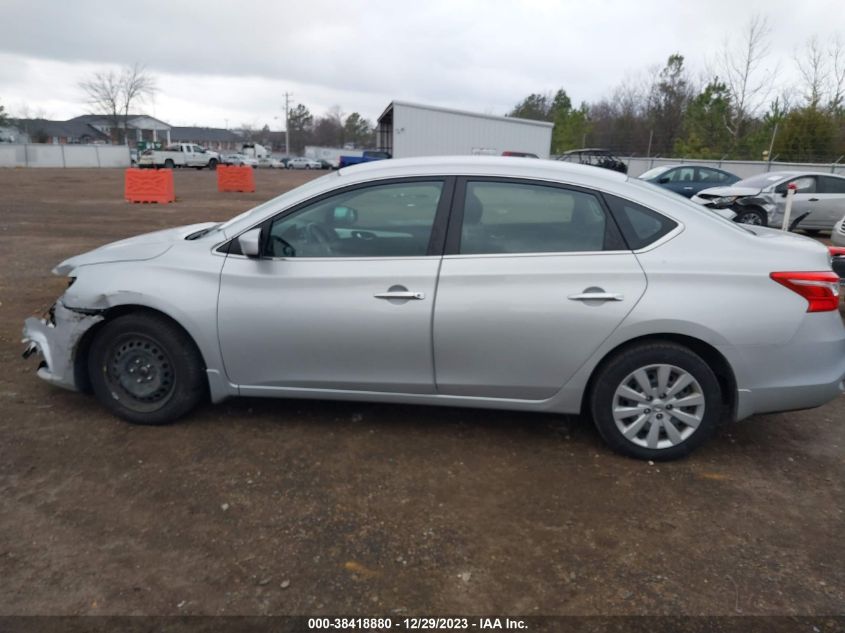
56, 339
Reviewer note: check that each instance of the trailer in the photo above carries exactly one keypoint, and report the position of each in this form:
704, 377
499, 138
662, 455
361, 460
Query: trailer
411, 129
330, 154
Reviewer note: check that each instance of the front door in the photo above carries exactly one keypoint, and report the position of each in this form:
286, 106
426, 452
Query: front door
535, 278
342, 298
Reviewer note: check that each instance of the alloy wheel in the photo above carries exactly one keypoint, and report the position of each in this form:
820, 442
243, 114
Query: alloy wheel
658, 406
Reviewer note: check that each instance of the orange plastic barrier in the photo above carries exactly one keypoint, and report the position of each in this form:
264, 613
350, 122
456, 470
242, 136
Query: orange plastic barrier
234, 178
149, 185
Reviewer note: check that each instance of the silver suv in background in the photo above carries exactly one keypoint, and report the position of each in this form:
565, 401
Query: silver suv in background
761, 199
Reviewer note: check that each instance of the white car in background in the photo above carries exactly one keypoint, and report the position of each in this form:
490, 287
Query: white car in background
270, 163
301, 162
241, 160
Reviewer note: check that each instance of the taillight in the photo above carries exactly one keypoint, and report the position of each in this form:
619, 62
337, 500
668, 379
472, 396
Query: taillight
821, 290
837, 251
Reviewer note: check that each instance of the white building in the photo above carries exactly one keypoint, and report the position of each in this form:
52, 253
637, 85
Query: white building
411, 129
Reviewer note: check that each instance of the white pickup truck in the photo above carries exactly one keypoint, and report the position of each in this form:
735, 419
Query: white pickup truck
179, 155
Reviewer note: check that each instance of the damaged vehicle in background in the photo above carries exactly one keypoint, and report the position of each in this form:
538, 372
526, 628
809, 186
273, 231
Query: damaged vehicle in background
482, 282
761, 200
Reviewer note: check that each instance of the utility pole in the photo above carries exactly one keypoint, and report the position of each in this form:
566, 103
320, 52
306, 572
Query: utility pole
772, 143
288, 95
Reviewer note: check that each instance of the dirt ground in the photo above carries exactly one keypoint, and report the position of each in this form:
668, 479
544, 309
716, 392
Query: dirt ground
301, 507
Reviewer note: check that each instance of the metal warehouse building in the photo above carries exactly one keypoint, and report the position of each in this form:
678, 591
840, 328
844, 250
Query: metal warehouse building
411, 129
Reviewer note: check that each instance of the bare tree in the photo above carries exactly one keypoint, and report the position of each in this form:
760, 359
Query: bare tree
836, 89
136, 84
112, 94
740, 67
812, 65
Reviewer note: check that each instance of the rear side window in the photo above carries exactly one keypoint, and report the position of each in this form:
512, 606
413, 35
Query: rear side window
510, 217
640, 226
831, 184
711, 175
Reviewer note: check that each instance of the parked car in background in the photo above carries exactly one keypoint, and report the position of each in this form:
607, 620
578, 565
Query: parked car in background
688, 180
269, 162
179, 155
324, 164
837, 235
595, 157
761, 199
300, 162
239, 160
368, 156
558, 288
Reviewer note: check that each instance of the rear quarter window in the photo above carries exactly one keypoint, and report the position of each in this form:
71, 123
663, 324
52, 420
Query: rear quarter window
640, 226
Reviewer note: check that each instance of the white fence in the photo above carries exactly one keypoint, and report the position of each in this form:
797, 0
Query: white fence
742, 168
43, 155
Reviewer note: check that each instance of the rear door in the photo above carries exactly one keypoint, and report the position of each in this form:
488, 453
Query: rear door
534, 278
831, 201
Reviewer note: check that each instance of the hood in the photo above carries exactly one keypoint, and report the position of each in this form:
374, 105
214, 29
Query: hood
718, 192
140, 247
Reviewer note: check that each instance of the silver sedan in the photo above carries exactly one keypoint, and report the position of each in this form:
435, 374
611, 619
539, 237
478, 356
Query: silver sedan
761, 199
477, 282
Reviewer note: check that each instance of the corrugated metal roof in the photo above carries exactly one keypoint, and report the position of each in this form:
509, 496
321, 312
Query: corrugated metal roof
423, 106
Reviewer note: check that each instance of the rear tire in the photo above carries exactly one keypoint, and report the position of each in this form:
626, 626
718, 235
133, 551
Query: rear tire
145, 369
636, 421
169, 164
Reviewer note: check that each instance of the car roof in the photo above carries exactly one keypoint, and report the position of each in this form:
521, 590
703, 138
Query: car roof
509, 166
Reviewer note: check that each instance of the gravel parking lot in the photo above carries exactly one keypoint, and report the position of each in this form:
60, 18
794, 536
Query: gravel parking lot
292, 507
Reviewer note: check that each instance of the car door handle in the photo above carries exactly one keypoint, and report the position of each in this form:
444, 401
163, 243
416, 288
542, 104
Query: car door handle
687, 187
400, 295
813, 200
597, 296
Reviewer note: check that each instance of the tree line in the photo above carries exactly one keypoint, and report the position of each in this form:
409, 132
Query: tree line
333, 129
737, 111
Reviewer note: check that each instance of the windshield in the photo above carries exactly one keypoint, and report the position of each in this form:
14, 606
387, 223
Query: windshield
279, 202
760, 181
654, 172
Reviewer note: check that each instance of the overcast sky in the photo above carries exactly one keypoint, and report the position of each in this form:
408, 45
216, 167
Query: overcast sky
218, 61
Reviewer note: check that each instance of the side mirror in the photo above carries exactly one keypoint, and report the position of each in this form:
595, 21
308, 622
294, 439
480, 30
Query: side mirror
344, 216
663, 180
250, 242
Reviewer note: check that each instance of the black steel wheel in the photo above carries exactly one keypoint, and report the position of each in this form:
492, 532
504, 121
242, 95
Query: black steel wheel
145, 369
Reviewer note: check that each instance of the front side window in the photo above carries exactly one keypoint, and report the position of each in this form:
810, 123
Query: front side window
391, 220
502, 217
682, 174
803, 184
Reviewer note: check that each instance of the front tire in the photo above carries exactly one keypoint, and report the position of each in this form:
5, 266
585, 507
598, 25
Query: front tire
145, 369
656, 401
756, 217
